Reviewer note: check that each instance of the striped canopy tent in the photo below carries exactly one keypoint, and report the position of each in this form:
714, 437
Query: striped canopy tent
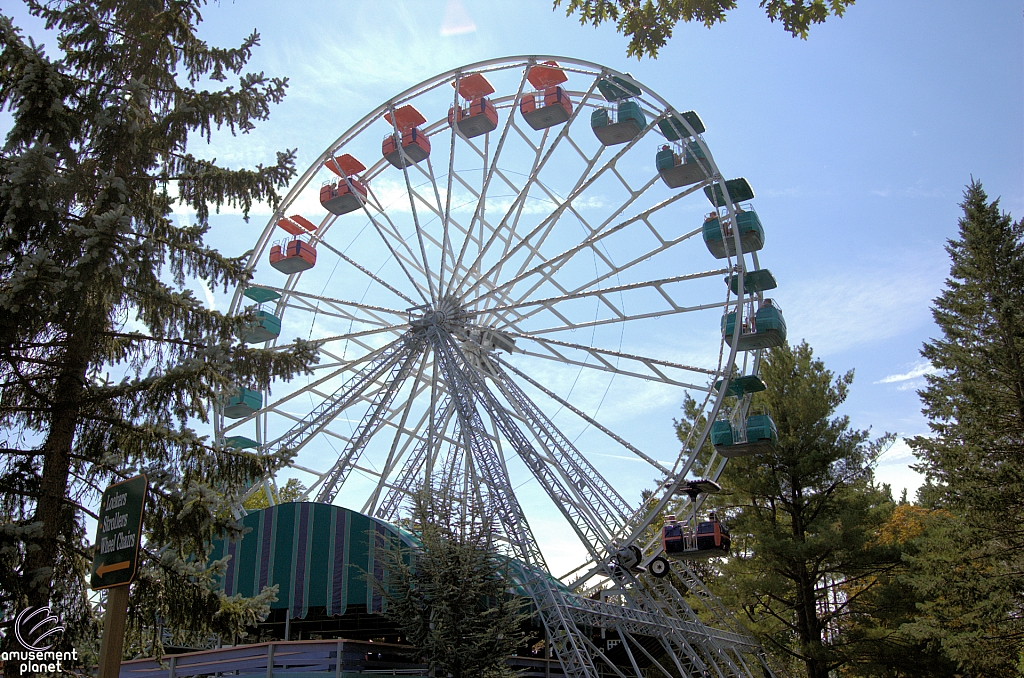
318, 555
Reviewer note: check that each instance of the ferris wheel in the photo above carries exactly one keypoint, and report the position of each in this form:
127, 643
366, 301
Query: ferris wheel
503, 266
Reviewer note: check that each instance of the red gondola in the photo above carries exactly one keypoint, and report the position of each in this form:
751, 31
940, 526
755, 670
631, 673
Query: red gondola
293, 255
556, 106
480, 117
348, 193
408, 145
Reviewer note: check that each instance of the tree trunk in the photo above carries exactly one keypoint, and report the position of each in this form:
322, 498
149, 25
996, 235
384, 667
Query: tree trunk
808, 623
53, 513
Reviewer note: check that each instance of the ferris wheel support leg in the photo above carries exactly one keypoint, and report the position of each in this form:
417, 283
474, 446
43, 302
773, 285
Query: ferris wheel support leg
404, 484
624, 639
560, 626
371, 420
592, 531
607, 504
628, 638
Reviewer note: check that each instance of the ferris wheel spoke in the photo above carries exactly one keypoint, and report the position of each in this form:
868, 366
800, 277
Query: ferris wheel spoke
391, 460
337, 371
424, 264
594, 491
446, 242
344, 257
335, 303
565, 495
426, 448
325, 308
654, 370
404, 260
546, 267
371, 421
572, 326
582, 185
538, 166
318, 419
603, 294
590, 420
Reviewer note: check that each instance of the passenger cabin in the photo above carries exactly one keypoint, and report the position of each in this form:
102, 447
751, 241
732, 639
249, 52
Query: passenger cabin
681, 165
243, 403
293, 255
710, 539
266, 326
675, 129
739, 191
480, 116
555, 106
768, 328
741, 386
347, 193
760, 435
618, 125
626, 120
760, 280
240, 442
407, 145
720, 241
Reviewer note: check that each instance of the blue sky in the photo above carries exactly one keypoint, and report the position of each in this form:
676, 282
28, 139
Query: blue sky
858, 143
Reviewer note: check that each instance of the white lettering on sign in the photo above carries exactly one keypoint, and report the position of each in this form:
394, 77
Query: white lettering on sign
115, 522
116, 501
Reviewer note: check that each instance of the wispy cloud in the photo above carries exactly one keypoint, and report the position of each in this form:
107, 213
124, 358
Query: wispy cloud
917, 371
456, 19
859, 306
909, 192
899, 453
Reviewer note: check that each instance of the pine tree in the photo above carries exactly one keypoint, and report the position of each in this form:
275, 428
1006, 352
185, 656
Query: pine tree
972, 573
93, 280
450, 597
805, 517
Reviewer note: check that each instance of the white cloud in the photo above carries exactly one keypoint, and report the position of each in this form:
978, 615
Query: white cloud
859, 306
894, 468
456, 19
917, 371
900, 452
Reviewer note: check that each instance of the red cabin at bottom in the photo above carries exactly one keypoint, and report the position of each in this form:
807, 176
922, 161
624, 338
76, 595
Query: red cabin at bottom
712, 539
292, 256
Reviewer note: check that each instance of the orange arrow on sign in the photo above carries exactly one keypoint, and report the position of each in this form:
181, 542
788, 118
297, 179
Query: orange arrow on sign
112, 567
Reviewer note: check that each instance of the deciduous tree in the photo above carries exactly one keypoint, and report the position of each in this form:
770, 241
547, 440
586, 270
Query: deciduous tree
649, 23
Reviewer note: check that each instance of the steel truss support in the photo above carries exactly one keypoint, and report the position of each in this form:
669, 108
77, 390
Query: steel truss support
560, 627
307, 427
400, 369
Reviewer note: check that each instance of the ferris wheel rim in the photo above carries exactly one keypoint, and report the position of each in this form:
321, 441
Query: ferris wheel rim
409, 95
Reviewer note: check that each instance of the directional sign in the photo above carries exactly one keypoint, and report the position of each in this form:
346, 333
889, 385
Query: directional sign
118, 533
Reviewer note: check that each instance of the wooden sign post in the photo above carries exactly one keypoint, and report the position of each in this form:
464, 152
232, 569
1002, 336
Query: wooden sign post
118, 533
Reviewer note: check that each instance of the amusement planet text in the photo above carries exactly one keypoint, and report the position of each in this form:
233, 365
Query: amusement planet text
33, 663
